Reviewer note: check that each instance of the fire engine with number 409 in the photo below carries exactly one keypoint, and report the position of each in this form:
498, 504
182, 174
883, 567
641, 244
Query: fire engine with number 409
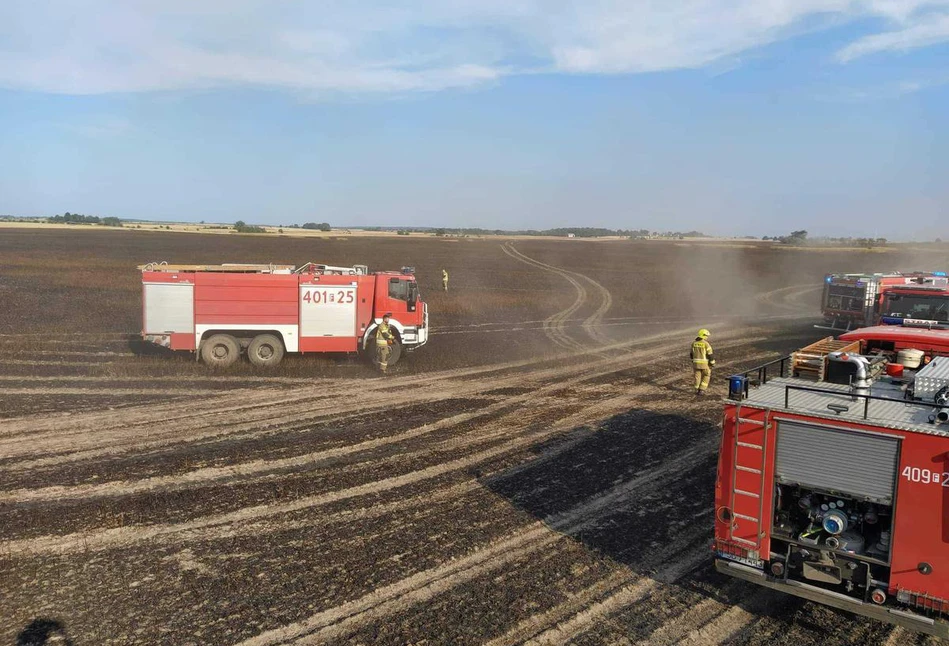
264, 311
833, 476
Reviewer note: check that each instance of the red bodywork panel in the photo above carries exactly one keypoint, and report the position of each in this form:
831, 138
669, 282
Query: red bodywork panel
251, 299
258, 300
745, 506
929, 341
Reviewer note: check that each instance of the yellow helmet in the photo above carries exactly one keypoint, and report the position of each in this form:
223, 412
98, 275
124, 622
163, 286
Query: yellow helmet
704, 334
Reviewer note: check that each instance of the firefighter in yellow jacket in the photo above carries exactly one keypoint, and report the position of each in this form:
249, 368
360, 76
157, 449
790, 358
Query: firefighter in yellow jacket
384, 340
702, 361
445, 279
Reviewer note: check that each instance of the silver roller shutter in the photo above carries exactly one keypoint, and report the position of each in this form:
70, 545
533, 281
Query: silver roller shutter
169, 307
861, 464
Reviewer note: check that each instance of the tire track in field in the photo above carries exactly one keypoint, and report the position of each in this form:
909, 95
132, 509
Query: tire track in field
118, 392
75, 353
112, 538
251, 380
553, 326
244, 470
698, 615
44, 335
788, 298
592, 323
82, 445
678, 558
731, 622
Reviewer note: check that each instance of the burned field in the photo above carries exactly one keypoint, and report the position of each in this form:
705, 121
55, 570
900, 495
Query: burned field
538, 473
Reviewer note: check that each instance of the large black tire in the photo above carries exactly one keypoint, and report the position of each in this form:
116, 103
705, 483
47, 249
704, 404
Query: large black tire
220, 350
265, 351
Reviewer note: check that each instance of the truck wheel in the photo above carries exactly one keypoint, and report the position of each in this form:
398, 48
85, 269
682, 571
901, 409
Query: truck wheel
220, 350
265, 351
396, 349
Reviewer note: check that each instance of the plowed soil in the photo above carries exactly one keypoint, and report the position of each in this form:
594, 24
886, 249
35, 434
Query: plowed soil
539, 473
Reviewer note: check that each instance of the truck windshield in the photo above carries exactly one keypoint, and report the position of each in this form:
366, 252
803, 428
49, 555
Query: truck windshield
929, 308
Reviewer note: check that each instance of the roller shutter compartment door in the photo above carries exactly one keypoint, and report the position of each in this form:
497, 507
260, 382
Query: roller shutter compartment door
863, 465
169, 307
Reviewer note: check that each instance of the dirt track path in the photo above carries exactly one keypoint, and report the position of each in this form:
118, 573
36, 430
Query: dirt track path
555, 326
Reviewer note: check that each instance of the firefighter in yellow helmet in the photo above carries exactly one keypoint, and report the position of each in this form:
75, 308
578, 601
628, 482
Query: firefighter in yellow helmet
384, 340
702, 361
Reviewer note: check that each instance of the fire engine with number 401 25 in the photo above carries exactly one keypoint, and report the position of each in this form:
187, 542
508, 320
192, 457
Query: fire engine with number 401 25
265, 311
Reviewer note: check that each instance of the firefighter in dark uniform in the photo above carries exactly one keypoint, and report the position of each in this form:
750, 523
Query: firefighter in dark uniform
702, 361
384, 339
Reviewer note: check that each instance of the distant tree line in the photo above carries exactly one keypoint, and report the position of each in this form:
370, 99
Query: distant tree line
799, 238
578, 232
76, 218
242, 227
322, 226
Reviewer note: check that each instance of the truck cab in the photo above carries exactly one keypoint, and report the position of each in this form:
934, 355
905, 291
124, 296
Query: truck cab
917, 304
397, 293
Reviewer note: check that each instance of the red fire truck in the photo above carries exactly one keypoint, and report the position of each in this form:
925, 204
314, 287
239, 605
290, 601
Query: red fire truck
264, 311
855, 300
833, 482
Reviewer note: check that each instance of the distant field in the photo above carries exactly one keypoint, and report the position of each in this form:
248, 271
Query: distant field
539, 471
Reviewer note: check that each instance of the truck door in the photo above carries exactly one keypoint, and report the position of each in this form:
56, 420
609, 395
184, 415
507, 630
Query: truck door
397, 292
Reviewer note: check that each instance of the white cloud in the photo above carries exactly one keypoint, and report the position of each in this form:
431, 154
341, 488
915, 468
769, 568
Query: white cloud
927, 31
98, 46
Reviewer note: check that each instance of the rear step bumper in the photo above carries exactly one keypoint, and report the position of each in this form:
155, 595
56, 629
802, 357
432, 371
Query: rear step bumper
836, 600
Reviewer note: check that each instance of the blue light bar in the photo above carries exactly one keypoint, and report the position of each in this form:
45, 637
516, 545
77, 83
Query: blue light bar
939, 273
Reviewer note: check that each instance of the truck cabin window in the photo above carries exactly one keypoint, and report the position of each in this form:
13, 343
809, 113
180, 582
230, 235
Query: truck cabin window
930, 308
399, 289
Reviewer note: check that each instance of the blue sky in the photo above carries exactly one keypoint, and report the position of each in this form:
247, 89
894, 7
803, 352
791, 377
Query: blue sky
728, 116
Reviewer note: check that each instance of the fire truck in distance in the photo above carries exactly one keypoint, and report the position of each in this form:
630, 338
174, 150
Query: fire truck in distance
833, 476
855, 300
265, 311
